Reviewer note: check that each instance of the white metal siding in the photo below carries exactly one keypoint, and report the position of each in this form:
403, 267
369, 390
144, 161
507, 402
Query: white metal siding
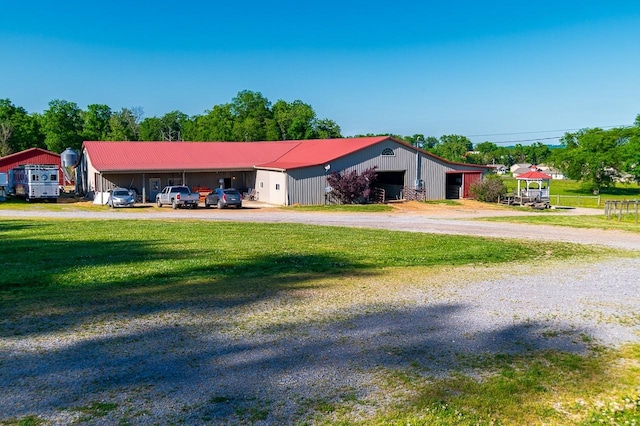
274, 187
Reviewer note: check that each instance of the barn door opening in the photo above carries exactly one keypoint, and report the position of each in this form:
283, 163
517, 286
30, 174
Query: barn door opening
392, 183
454, 186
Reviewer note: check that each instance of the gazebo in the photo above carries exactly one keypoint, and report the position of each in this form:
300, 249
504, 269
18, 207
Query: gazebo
540, 192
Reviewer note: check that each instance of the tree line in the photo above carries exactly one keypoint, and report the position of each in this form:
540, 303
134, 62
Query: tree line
248, 117
595, 156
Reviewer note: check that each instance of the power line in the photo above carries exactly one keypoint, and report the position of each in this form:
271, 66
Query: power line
526, 140
546, 131
542, 131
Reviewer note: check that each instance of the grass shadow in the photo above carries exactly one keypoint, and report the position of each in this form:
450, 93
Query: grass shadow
194, 372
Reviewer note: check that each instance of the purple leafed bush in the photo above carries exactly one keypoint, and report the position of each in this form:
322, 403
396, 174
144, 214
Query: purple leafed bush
351, 187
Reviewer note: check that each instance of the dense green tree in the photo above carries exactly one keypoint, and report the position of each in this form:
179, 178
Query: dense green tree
503, 156
537, 153
326, 129
248, 117
124, 124
419, 141
519, 153
453, 147
167, 128
631, 158
631, 152
7, 110
118, 129
368, 135
474, 157
172, 124
430, 142
485, 153
416, 140
214, 125
18, 129
62, 126
486, 147
96, 122
294, 120
252, 116
593, 156
150, 129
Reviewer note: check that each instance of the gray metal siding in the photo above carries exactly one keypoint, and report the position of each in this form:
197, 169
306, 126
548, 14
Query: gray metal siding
306, 186
434, 176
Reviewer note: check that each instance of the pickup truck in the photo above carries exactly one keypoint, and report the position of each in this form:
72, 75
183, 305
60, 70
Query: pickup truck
178, 196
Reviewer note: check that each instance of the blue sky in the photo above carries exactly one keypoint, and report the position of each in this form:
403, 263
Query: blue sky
513, 71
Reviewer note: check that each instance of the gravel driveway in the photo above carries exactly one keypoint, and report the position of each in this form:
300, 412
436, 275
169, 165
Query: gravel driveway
211, 361
442, 221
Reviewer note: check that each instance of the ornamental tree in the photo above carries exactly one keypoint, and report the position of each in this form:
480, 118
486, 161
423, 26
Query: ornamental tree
351, 187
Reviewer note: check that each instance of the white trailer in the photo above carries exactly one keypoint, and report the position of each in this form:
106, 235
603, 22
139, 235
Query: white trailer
4, 183
36, 182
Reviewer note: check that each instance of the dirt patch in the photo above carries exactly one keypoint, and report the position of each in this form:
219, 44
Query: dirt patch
446, 205
438, 208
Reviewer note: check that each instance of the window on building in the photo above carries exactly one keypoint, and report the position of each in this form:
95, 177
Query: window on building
261, 184
277, 187
388, 152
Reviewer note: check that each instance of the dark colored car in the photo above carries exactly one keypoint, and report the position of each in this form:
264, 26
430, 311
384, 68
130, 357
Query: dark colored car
224, 198
120, 197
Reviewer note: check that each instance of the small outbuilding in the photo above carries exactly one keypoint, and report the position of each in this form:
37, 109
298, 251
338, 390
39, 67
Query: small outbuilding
536, 186
37, 156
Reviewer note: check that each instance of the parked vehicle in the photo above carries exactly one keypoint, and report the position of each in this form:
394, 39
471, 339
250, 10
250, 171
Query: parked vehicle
35, 182
224, 198
121, 197
178, 196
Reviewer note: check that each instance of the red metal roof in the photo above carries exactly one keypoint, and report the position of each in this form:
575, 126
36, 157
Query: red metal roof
28, 156
533, 175
206, 156
315, 152
141, 156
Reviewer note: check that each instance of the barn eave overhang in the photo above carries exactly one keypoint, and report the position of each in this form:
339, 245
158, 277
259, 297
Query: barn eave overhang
271, 169
189, 170
451, 172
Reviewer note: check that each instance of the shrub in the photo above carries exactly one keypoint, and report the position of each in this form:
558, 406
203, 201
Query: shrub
352, 188
489, 189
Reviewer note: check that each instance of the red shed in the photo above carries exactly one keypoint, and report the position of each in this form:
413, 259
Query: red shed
30, 156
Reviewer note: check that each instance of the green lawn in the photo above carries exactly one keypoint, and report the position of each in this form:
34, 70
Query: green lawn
627, 223
53, 267
59, 254
568, 192
572, 187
